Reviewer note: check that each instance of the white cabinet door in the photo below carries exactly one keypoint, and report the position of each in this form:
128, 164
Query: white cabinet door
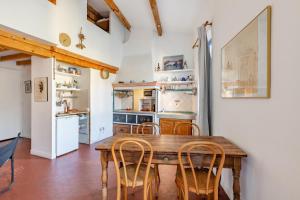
67, 134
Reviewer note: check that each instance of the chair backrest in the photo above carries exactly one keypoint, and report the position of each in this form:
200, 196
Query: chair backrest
154, 126
131, 144
210, 150
8, 151
193, 126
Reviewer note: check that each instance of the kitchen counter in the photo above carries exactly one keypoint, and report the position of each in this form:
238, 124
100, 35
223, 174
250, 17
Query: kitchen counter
71, 113
177, 115
134, 111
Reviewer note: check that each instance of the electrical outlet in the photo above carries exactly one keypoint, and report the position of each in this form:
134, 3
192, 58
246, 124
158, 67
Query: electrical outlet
101, 129
177, 102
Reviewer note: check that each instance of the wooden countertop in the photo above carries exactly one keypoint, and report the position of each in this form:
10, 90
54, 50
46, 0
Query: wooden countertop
71, 113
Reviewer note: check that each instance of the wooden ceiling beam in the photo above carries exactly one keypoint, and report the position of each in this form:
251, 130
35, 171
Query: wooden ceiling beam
118, 13
14, 57
156, 17
14, 41
53, 1
23, 62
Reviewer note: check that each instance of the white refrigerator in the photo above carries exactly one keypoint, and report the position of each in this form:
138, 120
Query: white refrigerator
67, 134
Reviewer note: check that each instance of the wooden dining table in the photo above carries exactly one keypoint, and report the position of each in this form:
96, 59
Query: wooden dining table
165, 150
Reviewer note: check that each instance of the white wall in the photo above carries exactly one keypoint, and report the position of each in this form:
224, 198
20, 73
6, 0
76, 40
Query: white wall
44, 20
26, 103
267, 129
145, 49
43, 137
101, 107
172, 43
11, 100
14, 103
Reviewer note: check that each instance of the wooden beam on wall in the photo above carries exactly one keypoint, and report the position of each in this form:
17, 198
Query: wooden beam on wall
23, 62
118, 13
16, 42
75, 59
34, 47
156, 17
53, 1
14, 57
2, 49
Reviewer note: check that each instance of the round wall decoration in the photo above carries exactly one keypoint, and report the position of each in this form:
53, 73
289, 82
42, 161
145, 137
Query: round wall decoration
64, 39
104, 74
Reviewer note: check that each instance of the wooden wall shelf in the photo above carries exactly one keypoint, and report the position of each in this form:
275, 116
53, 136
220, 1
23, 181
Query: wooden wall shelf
126, 85
175, 71
177, 83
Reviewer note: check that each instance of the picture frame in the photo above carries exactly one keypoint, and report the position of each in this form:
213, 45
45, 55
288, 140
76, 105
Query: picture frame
173, 62
246, 60
41, 89
28, 87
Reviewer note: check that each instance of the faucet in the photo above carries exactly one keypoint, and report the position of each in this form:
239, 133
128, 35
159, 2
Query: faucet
66, 106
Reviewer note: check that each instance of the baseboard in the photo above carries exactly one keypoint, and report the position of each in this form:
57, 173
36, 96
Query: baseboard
42, 154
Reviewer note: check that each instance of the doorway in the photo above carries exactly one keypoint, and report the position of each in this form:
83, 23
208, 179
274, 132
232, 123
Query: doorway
15, 102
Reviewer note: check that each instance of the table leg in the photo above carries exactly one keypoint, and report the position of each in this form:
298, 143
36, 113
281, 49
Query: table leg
236, 171
104, 165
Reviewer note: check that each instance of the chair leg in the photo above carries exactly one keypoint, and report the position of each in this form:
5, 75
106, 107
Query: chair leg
150, 190
157, 173
125, 192
156, 180
12, 170
178, 194
210, 196
181, 194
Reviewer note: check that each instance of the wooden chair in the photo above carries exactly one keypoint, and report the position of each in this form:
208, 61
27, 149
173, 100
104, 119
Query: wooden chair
155, 131
199, 180
134, 174
194, 126
155, 128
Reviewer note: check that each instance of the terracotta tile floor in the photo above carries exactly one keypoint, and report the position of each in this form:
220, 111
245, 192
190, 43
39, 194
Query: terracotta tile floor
75, 176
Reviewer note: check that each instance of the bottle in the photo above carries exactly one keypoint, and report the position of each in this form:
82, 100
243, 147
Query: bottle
158, 67
185, 65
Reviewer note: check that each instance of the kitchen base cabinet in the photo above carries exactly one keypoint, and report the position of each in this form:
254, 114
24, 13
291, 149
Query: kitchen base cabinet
167, 126
121, 128
147, 130
67, 134
127, 128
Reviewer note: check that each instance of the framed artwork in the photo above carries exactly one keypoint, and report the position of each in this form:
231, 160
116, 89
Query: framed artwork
27, 86
246, 60
41, 89
173, 62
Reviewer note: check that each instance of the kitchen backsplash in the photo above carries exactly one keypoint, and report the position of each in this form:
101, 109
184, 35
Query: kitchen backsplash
178, 101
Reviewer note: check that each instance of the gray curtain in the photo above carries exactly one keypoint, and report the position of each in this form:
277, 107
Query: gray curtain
204, 82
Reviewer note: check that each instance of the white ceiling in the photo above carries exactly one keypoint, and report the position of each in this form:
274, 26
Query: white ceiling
175, 15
